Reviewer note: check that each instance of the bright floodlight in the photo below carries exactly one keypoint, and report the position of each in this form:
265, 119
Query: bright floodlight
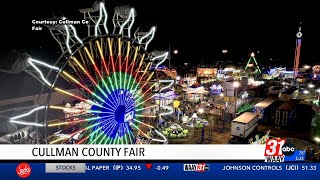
236, 84
175, 51
221, 94
252, 54
317, 139
201, 110
224, 51
318, 90
306, 67
306, 92
311, 85
178, 78
185, 119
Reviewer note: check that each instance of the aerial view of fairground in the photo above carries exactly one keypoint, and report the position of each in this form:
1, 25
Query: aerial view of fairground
104, 73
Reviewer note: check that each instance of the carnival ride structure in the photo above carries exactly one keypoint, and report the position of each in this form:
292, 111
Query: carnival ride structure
196, 121
297, 52
110, 71
250, 64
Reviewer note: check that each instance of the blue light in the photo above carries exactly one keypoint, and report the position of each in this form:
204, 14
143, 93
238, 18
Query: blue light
161, 67
117, 112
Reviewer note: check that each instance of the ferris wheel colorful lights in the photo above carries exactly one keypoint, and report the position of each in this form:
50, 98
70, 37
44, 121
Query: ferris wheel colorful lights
110, 73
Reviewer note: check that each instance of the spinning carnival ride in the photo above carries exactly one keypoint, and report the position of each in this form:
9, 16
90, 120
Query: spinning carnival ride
112, 79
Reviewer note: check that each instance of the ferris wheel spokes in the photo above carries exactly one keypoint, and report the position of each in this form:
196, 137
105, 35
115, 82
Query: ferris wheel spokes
111, 73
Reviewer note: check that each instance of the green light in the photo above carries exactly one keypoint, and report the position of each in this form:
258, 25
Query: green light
100, 135
255, 62
125, 138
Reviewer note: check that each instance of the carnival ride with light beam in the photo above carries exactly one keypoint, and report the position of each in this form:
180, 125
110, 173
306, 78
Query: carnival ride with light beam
255, 65
297, 52
111, 76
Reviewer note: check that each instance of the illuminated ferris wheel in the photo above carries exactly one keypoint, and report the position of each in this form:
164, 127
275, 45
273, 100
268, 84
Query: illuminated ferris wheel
110, 83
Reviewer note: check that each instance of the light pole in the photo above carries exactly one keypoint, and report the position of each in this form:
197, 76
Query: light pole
317, 139
201, 110
318, 95
236, 84
311, 87
222, 100
306, 92
175, 52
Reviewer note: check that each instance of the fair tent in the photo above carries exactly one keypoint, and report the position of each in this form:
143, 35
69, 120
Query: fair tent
198, 90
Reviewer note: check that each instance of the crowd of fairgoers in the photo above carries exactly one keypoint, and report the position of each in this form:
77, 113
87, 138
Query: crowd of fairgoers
27, 135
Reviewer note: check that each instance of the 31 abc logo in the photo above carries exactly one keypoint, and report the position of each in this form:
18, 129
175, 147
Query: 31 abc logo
279, 147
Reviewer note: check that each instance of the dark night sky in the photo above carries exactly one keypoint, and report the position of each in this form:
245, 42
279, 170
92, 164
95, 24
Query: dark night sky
199, 29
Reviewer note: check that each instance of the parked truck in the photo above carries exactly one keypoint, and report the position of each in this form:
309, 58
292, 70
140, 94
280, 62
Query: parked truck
243, 128
266, 109
290, 93
286, 114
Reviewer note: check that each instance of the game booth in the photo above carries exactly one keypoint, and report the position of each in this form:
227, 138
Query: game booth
287, 74
165, 98
78, 109
316, 72
206, 72
229, 73
216, 89
196, 94
273, 73
189, 81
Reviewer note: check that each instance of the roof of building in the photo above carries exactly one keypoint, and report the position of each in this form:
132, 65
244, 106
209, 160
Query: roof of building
245, 117
290, 90
289, 105
266, 102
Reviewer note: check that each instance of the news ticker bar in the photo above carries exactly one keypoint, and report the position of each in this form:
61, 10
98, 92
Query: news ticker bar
187, 167
132, 152
92, 170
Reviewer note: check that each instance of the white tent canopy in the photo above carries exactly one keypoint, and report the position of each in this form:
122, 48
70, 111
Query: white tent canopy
198, 90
